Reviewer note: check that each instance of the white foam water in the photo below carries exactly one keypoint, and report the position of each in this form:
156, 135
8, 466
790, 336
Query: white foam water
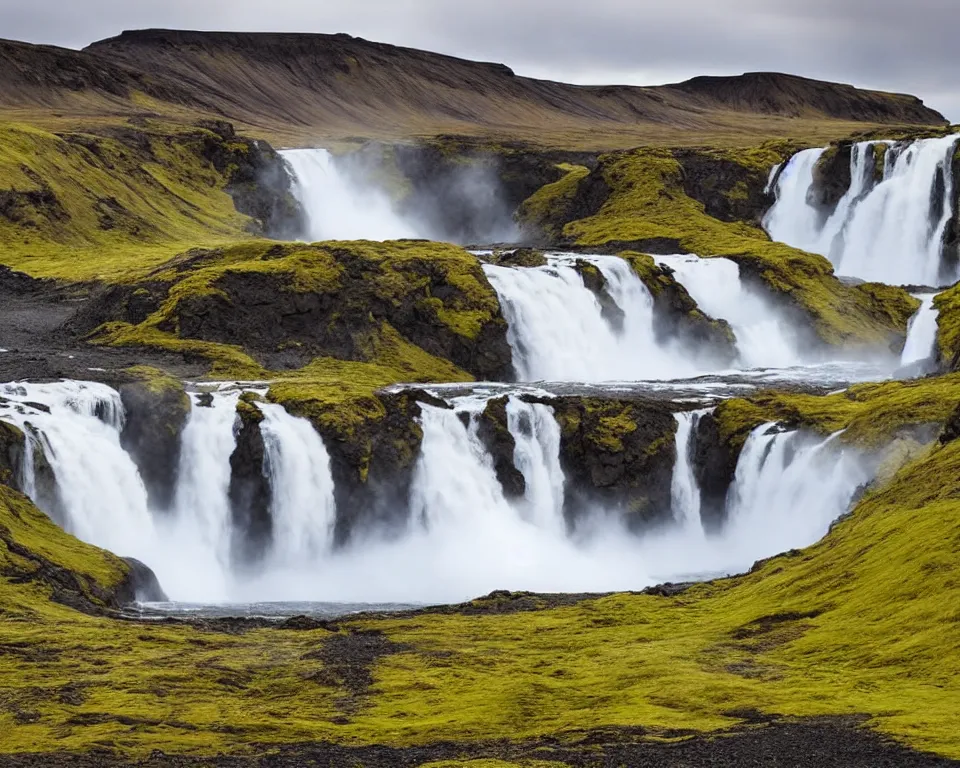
464, 536
921, 343
891, 231
765, 339
337, 206
557, 329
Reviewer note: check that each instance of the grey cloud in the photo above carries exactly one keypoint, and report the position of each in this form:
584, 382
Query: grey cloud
872, 43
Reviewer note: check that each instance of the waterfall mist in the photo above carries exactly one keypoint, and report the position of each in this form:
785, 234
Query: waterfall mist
462, 537
889, 230
346, 198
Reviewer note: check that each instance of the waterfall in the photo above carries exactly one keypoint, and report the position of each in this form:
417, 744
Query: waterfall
788, 489
891, 231
922, 333
298, 467
792, 219
201, 523
105, 502
684, 489
464, 536
557, 329
764, 338
537, 456
339, 207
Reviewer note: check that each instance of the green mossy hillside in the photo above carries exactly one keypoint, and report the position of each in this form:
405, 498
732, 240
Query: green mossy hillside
947, 305
646, 208
110, 205
546, 211
862, 624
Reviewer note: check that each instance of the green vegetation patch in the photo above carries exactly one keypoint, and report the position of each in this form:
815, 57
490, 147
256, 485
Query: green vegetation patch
109, 206
871, 414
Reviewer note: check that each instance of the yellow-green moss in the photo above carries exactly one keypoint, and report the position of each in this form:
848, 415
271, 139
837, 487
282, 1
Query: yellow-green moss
947, 305
647, 202
871, 414
541, 208
109, 207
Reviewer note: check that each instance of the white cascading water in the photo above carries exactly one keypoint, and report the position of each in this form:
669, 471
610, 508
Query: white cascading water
891, 231
684, 489
97, 480
789, 488
339, 208
557, 330
304, 511
464, 537
922, 333
537, 456
764, 338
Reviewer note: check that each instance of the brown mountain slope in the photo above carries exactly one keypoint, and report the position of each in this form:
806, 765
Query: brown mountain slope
300, 88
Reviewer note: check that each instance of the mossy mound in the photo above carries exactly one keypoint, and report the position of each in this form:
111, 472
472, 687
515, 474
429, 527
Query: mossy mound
618, 453
872, 415
112, 203
285, 304
648, 209
947, 305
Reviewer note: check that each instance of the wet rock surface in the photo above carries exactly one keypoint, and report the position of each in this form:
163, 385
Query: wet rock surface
619, 453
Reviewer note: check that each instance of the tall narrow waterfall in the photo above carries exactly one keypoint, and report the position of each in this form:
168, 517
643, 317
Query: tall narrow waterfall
764, 338
684, 490
338, 207
298, 466
891, 231
922, 333
558, 331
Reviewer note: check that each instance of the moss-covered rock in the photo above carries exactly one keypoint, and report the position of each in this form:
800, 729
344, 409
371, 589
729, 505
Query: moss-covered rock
250, 491
288, 304
618, 454
44, 562
596, 283
157, 409
678, 317
112, 203
12, 442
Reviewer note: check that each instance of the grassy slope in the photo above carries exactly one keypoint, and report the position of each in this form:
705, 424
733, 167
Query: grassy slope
863, 623
109, 206
647, 202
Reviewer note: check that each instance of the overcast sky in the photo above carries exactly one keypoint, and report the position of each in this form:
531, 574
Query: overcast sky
886, 44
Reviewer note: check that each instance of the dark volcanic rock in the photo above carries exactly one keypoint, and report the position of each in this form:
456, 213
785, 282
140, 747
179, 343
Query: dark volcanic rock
11, 454
250, 488
714, 465
257, 180
596, 283
831, 176
728, 190
494, 431
143, 584
285, 328
619, 455
157, 412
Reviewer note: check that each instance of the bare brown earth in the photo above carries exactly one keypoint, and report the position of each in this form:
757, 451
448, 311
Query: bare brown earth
303, 89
